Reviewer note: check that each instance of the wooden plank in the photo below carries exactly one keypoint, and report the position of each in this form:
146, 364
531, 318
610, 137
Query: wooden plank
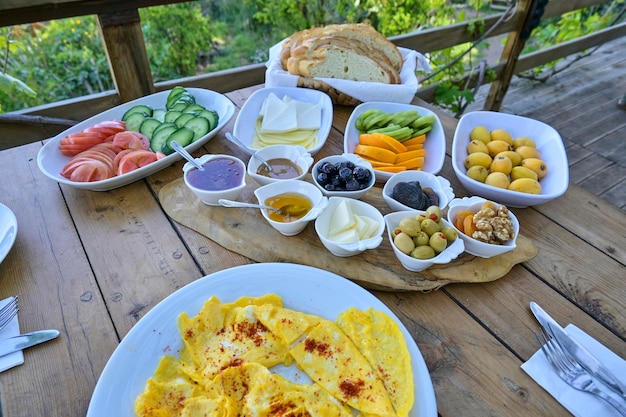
126, 53
148, 260
49, 272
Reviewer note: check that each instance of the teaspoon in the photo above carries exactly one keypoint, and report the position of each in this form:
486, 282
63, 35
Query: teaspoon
287, 210
178, 148
239, 143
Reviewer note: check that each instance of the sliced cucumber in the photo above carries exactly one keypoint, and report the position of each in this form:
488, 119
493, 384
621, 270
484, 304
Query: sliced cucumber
159, 114
179, 106
140, 108
171, 116
148, 125
200, 127
160, 136
184, 118
212, 117
134, 120
194, 108
183, 136
163, 126
174, 95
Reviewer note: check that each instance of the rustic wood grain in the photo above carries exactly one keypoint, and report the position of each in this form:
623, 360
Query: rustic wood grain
49, 271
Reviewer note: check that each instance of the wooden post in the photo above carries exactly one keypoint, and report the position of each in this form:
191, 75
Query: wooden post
126, 53
511, 52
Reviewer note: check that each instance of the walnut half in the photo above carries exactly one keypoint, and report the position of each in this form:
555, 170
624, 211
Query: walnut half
493, 224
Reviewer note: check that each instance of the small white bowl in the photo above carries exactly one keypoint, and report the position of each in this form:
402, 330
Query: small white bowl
392, 220
245, 122
211, 197
359, 208
473, 246
346, 157
292, 186
435, 144
439, 185
549, 144
298, 154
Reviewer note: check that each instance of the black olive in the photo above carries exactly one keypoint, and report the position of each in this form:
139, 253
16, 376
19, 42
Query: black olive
345, 174
353, 185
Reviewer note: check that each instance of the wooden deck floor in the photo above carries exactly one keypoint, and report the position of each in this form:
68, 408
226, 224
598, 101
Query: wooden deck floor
581, 104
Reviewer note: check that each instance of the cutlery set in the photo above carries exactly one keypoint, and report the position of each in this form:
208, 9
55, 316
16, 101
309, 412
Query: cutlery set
23, 341
575, 365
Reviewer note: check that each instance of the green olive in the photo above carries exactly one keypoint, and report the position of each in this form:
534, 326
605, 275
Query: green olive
410, 226
430, 226
434, 212
423, 252
421, 239
438, 242
450, 233
404, 243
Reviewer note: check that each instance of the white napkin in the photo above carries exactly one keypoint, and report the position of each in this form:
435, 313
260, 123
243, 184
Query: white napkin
11, 329
580, 404
276, 76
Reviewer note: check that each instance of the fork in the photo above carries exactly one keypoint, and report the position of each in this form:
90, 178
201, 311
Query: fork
571, 372
8, 312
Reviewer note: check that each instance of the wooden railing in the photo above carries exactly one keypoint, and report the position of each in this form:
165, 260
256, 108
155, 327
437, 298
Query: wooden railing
121, 31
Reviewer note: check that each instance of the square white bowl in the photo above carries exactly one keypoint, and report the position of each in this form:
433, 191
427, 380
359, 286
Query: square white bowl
439, 185
244, 124
392, 220
348, 157
358, 207
473, 246
549, 144
435, 144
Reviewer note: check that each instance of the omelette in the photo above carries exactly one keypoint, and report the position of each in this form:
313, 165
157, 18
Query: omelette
225, 368
371, 329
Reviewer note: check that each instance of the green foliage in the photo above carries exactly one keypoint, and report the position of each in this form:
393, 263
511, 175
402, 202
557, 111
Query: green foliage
177, 37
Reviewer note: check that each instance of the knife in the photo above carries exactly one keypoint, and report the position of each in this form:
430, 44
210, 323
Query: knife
23, 341
577, 351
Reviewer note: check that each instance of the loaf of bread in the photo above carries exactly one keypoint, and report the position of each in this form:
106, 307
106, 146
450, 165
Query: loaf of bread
350, 51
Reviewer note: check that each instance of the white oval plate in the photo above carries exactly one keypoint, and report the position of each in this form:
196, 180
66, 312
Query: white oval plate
304, 288
435, 144
8, 231
244, 124
50, 160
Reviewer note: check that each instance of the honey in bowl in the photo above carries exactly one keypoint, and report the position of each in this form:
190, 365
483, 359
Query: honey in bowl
218, 174
292, 206
282, 168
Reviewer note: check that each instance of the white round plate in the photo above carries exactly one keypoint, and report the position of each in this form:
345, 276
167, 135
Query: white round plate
51, 160
8, 230
304, 288
435, 144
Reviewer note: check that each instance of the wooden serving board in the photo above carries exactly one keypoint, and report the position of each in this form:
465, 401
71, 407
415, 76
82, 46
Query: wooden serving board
245, 231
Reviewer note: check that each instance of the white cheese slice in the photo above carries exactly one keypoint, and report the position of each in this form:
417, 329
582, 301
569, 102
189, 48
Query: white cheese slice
347, 236
271, 106
341, 219
284, 121
310, 116
369, 228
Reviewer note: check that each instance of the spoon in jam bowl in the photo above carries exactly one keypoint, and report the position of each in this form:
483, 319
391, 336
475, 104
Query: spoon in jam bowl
239, 143
178, 148
288, 210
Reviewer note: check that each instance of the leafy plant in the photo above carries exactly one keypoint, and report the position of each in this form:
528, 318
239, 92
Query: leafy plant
10, 85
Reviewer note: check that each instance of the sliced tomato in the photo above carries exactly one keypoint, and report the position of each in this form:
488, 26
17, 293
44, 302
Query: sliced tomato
118, 158
145, 142
89, 171
128, 140
71, 150
135, 160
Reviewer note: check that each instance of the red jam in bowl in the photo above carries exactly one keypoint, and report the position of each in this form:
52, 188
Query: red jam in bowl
218, 174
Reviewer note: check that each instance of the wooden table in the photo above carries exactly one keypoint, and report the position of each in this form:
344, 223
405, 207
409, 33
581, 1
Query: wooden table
91, 264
